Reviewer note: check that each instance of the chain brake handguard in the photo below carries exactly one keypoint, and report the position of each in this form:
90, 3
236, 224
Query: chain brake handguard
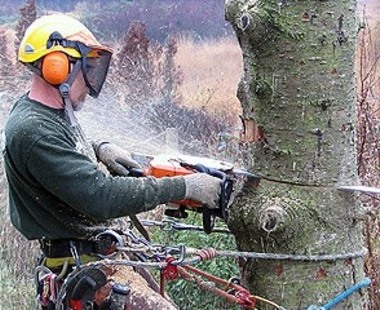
226, 188
225, 195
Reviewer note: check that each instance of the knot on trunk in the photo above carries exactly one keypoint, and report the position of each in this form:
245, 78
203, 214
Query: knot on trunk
272, 215
243, 21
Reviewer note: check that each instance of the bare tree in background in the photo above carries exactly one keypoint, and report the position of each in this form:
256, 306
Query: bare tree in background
171, 73
8, 68
368, 146
146, 68
137, 66
28, 14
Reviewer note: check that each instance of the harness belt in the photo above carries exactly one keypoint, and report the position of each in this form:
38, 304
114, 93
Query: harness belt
63, 247
59, 262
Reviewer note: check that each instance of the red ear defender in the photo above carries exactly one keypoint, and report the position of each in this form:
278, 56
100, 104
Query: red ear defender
55, 68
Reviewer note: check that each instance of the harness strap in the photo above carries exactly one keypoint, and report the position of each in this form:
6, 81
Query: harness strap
62, 247
58, 262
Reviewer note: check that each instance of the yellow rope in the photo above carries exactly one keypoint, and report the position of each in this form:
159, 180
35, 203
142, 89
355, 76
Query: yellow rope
262, 299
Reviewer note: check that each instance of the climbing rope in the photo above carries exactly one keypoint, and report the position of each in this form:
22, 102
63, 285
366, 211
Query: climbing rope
171, 267
159, 250
169, 224
294, 257
237, 294
177, 261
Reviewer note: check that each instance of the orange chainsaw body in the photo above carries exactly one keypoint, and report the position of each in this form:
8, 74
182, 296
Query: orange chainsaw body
170, 166
182, 165
161, 167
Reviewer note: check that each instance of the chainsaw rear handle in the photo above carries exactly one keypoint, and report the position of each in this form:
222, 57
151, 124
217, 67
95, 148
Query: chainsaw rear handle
225, 195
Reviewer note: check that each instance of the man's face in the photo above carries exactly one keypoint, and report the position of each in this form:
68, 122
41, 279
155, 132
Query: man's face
78, 92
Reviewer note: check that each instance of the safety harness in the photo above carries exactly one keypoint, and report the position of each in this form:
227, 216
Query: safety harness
63, 256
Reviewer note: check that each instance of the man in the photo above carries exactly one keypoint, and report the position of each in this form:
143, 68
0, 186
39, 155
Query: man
57, 194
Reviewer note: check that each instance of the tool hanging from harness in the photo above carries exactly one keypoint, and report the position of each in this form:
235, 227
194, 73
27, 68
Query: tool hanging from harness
48, 285
89, 288
61, 257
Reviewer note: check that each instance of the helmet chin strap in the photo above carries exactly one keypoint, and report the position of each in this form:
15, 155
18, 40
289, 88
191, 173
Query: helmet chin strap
64, 90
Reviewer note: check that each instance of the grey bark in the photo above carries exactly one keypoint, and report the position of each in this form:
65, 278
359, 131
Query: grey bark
298, 98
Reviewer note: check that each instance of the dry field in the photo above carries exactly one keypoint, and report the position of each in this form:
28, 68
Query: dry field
212, 70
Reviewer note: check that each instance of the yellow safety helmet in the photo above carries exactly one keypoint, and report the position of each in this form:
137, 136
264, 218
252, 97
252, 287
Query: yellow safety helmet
52, 40
35, 43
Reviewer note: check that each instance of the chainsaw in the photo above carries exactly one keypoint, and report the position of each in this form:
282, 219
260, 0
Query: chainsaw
181, 165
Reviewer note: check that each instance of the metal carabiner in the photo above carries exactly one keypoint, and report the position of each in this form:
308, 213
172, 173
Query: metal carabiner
109, 232
135, 239
118, 237
167, 225
182, 251
74, 254
41, 269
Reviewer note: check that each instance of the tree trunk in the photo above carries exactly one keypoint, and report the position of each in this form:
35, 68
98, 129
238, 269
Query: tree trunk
298, 98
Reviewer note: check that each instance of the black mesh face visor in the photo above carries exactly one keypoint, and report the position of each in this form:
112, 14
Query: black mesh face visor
95, 71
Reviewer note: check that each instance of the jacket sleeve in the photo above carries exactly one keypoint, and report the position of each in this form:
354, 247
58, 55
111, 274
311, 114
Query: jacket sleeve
75, 180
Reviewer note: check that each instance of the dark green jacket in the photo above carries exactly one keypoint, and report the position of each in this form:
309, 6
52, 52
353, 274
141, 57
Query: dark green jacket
56, 190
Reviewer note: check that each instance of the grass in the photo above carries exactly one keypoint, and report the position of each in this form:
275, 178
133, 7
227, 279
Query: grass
188, 295
17, 290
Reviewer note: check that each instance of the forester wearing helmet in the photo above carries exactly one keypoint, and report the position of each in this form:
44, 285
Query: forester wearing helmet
57, 194
57, 47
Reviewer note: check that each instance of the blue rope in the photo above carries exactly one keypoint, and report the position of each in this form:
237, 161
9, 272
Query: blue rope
339, 298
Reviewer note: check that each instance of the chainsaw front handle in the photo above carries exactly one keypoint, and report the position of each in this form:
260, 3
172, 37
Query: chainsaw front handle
136, 172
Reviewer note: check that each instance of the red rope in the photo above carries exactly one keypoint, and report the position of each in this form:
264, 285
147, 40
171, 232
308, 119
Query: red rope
162, 284
170, 272
241, 296
237, 293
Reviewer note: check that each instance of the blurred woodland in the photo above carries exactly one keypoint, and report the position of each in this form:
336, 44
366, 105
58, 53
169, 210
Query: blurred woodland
110, 19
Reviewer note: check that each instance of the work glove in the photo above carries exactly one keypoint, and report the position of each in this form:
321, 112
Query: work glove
116, 159
204, 188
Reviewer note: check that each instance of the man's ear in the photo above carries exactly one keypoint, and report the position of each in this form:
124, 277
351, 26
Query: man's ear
55, 68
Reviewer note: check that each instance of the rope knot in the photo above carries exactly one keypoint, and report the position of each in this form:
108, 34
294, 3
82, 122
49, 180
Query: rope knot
170, 272
245, 299
206, 253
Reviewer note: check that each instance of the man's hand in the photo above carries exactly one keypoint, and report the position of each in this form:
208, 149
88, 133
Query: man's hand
117, 159
203, 188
